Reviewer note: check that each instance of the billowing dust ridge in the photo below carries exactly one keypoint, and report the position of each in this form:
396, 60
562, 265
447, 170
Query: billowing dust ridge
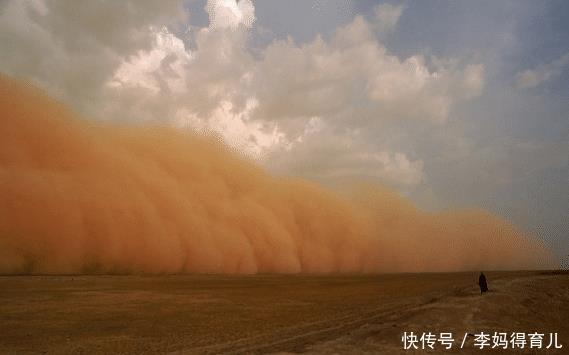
80, 197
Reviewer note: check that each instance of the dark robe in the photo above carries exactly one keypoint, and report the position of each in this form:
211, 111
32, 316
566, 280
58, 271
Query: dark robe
482, 283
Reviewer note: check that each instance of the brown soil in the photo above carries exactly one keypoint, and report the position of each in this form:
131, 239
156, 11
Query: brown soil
271, 313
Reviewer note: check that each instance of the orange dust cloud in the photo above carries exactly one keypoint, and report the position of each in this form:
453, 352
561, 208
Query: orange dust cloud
80, 197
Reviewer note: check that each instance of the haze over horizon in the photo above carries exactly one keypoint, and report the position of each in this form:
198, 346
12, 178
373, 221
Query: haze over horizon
456, 106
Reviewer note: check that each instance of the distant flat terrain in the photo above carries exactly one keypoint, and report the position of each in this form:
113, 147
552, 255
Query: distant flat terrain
190, 314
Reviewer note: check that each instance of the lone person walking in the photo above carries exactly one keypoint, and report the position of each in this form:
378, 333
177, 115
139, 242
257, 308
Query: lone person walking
482, 283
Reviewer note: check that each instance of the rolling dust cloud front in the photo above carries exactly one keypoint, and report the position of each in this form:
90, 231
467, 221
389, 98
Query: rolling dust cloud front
84, 197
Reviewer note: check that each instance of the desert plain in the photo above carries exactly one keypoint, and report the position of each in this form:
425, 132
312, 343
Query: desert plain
314, 314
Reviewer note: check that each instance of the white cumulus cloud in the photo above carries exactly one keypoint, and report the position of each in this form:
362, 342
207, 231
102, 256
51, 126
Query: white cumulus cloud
230, 13
300, 108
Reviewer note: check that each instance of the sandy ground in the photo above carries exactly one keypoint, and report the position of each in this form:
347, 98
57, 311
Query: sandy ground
187, 314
